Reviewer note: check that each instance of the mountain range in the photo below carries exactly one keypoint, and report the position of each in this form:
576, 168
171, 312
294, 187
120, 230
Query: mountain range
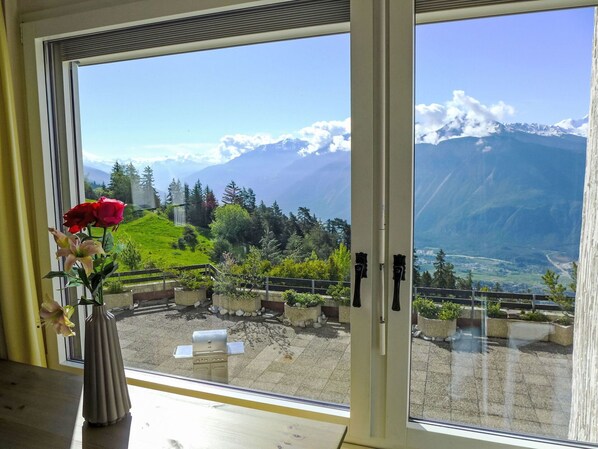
511, 190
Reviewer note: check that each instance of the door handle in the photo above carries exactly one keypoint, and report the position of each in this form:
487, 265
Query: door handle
399, 266
361, 271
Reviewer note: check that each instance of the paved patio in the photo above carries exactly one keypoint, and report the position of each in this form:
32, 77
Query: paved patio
514, 386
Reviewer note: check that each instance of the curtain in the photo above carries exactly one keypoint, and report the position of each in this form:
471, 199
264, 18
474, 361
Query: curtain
23, 339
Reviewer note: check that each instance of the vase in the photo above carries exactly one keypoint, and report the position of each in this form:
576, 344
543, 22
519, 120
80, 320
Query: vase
105, 394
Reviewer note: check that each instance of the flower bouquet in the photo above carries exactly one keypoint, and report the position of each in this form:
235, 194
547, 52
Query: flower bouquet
88, 260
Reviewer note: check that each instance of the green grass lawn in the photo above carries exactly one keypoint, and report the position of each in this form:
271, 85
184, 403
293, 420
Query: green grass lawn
154, 236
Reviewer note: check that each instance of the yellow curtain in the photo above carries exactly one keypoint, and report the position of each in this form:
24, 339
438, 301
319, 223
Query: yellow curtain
18, 295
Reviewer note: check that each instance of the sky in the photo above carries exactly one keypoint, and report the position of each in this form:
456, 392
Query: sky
214, 105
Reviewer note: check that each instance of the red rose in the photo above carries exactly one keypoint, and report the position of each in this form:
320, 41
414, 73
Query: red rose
108, 212
79, 217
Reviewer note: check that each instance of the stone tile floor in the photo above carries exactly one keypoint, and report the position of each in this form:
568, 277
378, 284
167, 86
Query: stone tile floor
302, 362
513, 386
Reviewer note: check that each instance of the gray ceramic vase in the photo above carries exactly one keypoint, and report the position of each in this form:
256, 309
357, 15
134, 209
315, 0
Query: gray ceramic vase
105, 394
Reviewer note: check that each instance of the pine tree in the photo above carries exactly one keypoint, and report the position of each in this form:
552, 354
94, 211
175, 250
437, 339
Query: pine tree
150, 199
247, 197
444, 274
232, 194
270, 248
417, 279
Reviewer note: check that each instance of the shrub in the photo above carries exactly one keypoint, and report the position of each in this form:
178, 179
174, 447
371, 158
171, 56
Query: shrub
534, 315
565, 320
449, 311
193, 279
340, 294
302, 300
493, 310
426, 308
113, 286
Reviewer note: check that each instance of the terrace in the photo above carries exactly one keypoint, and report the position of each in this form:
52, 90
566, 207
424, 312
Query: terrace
507, 384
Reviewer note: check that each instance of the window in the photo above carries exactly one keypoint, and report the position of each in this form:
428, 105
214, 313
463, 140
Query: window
384, 354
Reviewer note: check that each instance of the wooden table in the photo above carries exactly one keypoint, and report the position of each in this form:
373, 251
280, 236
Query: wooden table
41, 408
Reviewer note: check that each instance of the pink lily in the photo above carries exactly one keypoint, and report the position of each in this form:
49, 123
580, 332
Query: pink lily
52, 314
80, 252
61, 239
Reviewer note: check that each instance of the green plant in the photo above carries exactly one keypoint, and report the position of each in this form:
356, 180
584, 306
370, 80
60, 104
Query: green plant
425, 307
302, 300
340, 294
565, 320
113, 286
194, 279
493, 310
534, 315
449, 311
239, 282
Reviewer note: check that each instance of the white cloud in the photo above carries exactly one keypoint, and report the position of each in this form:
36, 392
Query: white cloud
326, 136
459, 117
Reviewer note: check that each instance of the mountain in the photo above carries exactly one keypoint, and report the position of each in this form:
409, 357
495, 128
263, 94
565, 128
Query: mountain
277, 172
96, 175
512, 194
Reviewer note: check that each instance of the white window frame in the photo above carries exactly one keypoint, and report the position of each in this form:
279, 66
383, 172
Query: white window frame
382, 94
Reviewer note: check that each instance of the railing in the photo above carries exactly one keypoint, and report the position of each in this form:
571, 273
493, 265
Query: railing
519, 301
156, 274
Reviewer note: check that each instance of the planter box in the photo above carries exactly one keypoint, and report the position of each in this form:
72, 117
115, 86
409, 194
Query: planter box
344, 314
122, 300
184, 297
562, 335
529, 330
497, 327
248, 305
298, 316
436, 328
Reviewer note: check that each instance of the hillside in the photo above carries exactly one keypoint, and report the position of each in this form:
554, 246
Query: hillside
155, 235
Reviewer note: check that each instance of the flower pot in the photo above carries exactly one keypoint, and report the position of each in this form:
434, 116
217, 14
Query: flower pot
529, 330
114, 300
497, 327
562, 335
436, 328
300, 316
344, 314
184, 297
246, 305
105, 394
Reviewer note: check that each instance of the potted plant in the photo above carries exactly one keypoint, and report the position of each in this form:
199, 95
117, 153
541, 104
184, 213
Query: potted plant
116, 296
436, 322
194, 286
341, 296
562, 331
301, 309
235, 287
532, 325
496, 321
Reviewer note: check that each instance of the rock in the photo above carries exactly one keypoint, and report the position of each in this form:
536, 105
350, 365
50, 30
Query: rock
317, 325
239, 312
309, 323
259, 313
263, 309
254, 314
301, 323
286, 322
223, 311
197, 304
247, 314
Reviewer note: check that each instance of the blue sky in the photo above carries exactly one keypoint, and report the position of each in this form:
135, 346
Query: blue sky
537, 65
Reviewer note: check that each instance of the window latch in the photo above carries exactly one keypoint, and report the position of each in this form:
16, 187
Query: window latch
399, 266
361, 271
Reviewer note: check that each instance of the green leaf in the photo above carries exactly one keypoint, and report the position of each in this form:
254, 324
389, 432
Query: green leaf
86, 302
56, 274
108, 242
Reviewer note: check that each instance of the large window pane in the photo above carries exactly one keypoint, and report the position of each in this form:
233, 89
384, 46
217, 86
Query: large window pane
235, 165
499, 169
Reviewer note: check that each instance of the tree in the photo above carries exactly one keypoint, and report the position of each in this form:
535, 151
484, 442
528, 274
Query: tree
247, 197
232, 194
556, 290
150, 198
444, 274
190, 237
130, 254
465, 283
270, 248
340, 263
230, 223
417, 279
427, 280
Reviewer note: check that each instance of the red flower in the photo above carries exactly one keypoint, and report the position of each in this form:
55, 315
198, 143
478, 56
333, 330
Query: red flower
108, 212
79, 217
